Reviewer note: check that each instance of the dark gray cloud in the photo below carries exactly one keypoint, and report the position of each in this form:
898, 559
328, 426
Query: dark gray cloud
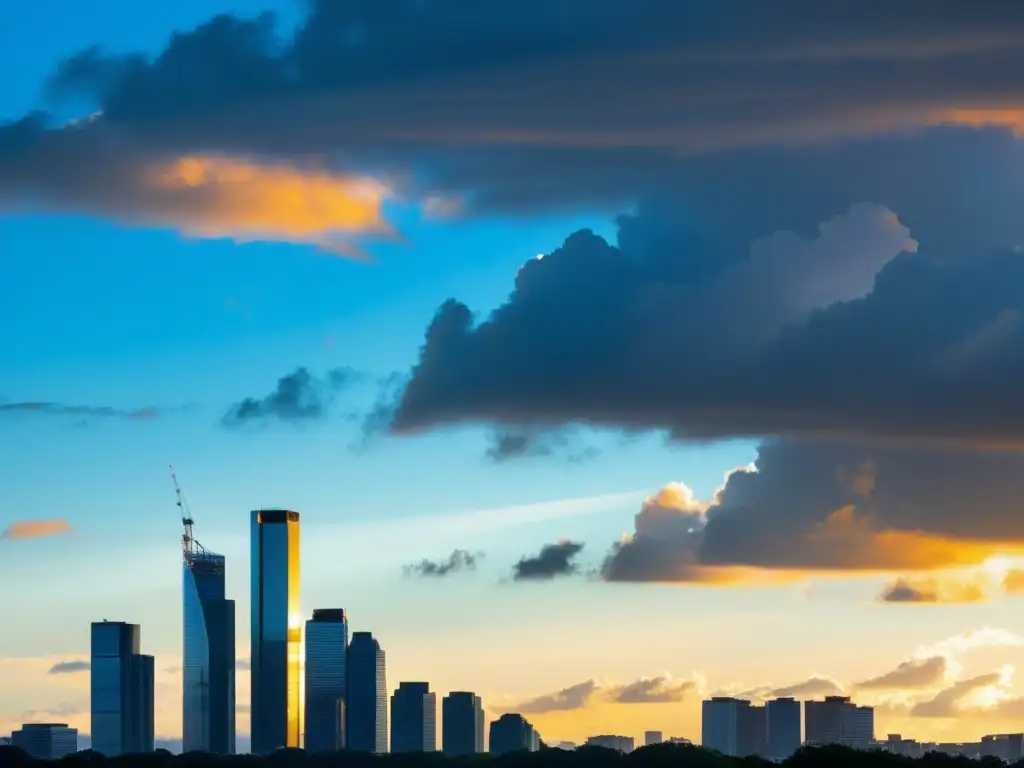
574, 697
552, 561
510, 444
506, 116
930, 590
458, 560
653, 690
831, 506
670, 331
82, 411
915, 673
69, 667
814, 686
298, 397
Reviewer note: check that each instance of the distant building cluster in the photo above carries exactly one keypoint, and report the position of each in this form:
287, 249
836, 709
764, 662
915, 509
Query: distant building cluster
775, 730
341, 702
1008, 747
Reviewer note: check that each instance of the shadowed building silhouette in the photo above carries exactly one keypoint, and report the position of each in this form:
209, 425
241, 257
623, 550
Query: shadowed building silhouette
513, 733
784, 727
366, 703
462, 724
413, 718
46, 741
121, 690
326, 648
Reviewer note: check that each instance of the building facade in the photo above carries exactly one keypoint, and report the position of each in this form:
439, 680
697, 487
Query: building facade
462, 724
623, 744
208, 655
366, 700
719, 724
414, 718
837, 720
652, 737
276, 633
121, 690
513, 733
784, 726
326, 651
46, 741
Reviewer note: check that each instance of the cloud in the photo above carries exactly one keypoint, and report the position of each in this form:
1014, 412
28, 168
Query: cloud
62, 710
507, 445
35, 529
654, 690
497, 123
814, 686
913, 673
810, 506
552, 561
935, 590
574, 697
458, 560
955, 699
69, 667
83, 411
298, 397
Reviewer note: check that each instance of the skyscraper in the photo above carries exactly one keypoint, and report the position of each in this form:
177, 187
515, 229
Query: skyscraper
513, 733
208, 648
414, 718
462, 724
837, 720
733, 726
366, 703
783, 724
276, 634
121, 690
326, 648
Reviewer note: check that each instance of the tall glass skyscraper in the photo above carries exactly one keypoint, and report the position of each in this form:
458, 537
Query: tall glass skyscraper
208, 654
462, 724
414, 718
367, 697
121, 690
326, 648
276, 636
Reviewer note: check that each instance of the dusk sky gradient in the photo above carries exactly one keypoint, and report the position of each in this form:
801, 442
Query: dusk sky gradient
745, 417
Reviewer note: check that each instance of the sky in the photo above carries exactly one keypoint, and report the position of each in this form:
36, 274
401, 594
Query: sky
613, 359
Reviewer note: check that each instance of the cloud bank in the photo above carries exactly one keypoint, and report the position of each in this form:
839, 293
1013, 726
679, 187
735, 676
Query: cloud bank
35, 529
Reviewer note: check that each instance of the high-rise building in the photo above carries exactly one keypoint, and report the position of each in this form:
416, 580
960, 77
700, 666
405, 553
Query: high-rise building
733, 726
623, 744
837, 720
513, 733
414, 718
46, 741
326, 648
121, 690
652, 737
784, 727
276, 636
462, 724
208, 653
366, 700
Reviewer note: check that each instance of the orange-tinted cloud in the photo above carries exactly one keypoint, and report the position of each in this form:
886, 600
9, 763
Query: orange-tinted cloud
35, 529
220, 196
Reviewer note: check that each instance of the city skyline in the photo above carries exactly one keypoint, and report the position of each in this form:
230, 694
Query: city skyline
615, 360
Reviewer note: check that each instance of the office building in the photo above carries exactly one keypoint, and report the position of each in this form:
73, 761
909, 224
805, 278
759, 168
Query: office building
733, 727
366, 703
121, 690
652, 737
1008, 747
208, 652
836, 720
46, 741
513, 733
784, 727
276, 634
326, 649
462, 724
623, 744
414, 718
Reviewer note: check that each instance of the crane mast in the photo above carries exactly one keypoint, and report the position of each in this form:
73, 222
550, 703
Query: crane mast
190, 548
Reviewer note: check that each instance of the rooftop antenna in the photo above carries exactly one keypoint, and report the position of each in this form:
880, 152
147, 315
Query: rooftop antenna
190, 548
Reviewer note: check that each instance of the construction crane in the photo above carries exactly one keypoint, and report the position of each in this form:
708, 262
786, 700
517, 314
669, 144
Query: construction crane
190, 548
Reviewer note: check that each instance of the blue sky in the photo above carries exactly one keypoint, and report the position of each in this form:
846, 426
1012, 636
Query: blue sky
102, 311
